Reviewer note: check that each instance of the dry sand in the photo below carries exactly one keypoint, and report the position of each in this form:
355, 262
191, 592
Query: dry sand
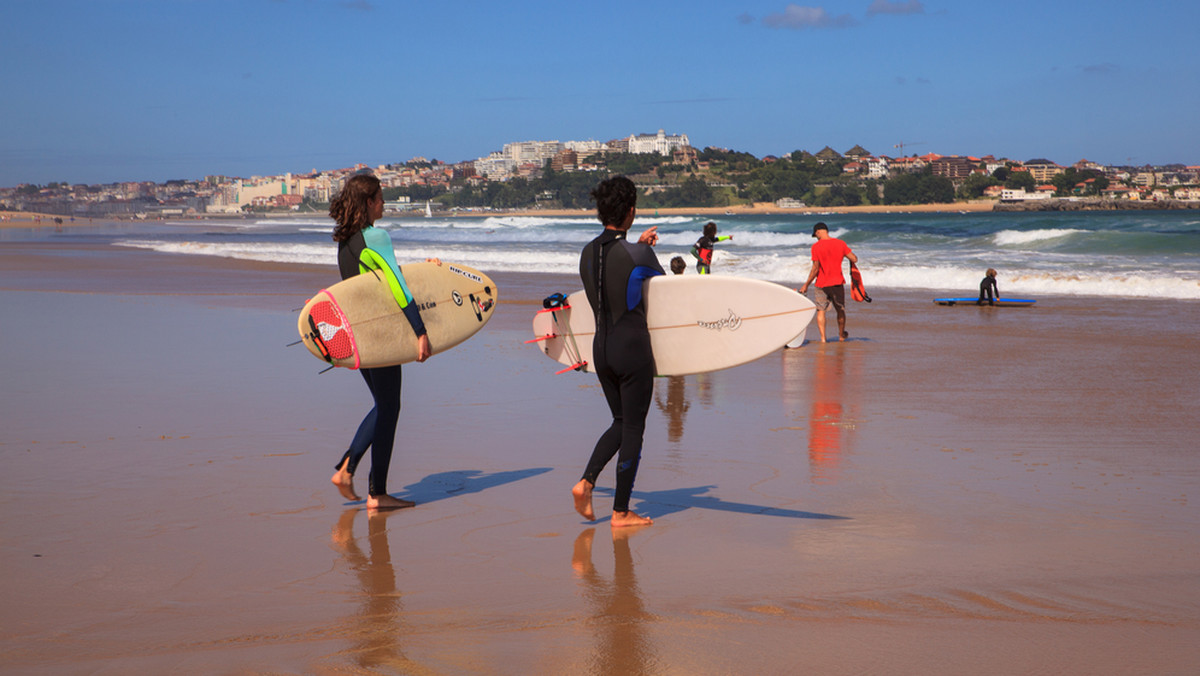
954, 490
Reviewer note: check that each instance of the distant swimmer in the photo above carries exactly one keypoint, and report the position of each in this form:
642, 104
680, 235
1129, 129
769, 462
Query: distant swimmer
827, 255
987, 287
703, 248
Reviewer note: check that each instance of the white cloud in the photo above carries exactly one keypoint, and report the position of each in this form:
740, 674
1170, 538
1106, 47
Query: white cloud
796, 17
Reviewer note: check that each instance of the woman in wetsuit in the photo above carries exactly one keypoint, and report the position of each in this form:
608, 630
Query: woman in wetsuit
362, 247
613, 271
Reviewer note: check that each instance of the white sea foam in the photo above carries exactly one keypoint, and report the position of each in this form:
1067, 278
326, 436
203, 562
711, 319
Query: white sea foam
1022, 237
1030, 261
321, 254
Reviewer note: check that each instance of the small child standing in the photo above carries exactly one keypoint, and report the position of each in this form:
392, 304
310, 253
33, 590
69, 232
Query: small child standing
678, 265
987, 287
703, 248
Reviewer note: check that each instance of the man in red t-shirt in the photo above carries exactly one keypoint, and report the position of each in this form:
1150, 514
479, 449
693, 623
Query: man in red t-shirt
827, 254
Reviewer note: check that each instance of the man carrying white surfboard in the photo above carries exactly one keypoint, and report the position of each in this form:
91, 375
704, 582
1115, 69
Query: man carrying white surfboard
827, 255
613, 271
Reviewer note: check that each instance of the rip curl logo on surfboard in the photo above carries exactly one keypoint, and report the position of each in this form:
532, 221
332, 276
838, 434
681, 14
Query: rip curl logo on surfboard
732, 322
469, 275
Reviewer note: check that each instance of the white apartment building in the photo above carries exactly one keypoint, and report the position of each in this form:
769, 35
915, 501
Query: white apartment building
660, 143
494, 166
500, 165
1019, 195
584, 148
877, 167
530, 152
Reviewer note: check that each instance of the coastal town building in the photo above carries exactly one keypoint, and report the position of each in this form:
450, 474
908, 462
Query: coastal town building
878, 167
1020, 194
857, 153
954, 167
1043, 171
661, 143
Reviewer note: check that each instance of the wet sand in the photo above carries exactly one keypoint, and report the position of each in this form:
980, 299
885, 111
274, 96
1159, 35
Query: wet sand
954, 490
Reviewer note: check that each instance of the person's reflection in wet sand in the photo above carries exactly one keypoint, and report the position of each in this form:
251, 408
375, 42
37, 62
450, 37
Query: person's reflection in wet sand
674, 408
825, 418
376, 628
827, 382
619, 616
836, 396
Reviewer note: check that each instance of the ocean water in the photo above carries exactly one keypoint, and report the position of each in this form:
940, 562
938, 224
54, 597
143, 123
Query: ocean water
1130, 254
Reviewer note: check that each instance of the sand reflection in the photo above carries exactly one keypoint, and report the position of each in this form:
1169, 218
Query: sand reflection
377, 627
832, 389
619, 619
674, 407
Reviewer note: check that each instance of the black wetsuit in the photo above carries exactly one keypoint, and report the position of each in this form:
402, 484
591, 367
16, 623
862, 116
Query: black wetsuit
378, 429
986, 288
613, 270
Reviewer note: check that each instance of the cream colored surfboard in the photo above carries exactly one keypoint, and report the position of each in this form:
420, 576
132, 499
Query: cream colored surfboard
357, 323
698, 323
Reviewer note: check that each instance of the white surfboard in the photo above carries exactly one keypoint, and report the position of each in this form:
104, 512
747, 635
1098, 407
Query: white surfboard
698, 323
356, 323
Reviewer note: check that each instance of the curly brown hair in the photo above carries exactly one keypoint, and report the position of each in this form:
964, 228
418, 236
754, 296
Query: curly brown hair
349, 207
614, 198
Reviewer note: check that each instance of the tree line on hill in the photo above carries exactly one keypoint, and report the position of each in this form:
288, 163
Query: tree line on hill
728, 178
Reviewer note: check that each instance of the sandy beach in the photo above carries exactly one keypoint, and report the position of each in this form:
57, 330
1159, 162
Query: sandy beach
954, 490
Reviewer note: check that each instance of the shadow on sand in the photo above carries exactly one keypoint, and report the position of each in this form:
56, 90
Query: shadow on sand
463, 482
655, 504
459, 482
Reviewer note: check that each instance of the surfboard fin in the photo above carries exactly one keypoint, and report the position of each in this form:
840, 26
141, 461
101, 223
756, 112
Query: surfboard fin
315, 336
577, 366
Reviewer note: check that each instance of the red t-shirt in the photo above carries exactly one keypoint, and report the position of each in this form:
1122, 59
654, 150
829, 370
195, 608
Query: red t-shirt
829, 253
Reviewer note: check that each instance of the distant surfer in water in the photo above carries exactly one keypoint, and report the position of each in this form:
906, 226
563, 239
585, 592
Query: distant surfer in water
827, 254
362, 247
703, 248
613, 270
987, 287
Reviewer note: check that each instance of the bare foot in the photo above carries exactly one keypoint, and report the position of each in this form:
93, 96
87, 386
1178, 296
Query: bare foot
582, 492
630, 518
845, 336
348, 493
345, 482
387, 502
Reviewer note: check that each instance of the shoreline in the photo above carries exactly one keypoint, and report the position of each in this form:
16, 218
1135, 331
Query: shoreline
24, 219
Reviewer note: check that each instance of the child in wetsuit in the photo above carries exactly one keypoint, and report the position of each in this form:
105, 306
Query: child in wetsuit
987, 287
703, 248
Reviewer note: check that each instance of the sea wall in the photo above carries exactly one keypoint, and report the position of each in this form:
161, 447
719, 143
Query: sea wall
1095, 204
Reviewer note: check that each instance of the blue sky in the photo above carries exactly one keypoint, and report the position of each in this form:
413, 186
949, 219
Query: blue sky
97, 91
